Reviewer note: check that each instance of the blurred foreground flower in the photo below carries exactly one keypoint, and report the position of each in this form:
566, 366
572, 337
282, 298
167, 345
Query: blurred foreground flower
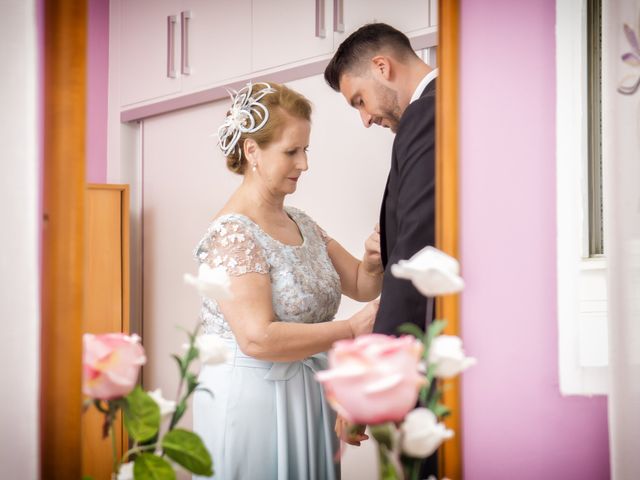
167, 407
110, 364
212, 350
431, 271
422, 434
447, 355
373, 378
212, 283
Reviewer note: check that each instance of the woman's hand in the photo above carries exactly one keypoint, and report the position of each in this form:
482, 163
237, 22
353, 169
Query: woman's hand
347, 432
362, 322
372, 259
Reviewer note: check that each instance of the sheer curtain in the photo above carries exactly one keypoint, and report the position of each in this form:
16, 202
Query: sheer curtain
621, 150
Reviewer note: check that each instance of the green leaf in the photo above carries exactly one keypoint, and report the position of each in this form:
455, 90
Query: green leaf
191, 355
181, 366
411, 329
192, 382
151, 467
186, 448
87, 477
204, 389
440, 410
387, 469
383, 433
98, 405
435, 328
141, 415
178, 413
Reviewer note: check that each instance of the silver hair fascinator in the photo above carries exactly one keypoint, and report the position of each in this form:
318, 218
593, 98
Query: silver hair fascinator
246, 115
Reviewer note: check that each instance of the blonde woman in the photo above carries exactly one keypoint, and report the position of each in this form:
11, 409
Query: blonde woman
267, 417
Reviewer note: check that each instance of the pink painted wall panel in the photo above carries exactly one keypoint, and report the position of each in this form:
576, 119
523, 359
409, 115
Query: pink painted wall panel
97, 90
516, 423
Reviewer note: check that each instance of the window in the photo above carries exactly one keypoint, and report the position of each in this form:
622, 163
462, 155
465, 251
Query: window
582, 296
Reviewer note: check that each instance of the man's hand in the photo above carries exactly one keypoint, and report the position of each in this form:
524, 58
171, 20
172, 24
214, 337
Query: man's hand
372, 259
349, 432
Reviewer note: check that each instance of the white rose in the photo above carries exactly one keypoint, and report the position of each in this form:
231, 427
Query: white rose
167, 407
125, 472
212, 283
212, 350
422, 434
447, 355
431, 271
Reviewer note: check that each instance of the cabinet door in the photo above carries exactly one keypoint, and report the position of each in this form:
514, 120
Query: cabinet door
216, 41
407, 16
106, 304
285, 31
148, 40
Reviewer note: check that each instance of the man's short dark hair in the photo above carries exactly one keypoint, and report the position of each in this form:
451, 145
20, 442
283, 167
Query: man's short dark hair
366, 41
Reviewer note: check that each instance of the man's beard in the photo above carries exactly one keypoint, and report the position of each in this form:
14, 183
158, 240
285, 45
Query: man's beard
389, 106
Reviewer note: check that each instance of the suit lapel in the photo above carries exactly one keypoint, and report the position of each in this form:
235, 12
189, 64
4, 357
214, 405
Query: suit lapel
383, 229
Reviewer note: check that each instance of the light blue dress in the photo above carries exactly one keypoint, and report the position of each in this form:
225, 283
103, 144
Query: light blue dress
269, 420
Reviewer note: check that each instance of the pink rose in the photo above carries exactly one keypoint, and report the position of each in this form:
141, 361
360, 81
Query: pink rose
373, 378
110, 364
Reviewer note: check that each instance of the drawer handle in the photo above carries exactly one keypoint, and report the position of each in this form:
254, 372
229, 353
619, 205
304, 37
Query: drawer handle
171, 40
338, 16
320, 27
185, 18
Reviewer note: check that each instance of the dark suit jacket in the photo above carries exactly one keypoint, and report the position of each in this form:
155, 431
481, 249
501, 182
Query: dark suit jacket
407, 216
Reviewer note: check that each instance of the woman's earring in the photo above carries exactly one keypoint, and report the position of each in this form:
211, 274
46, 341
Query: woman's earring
254, 167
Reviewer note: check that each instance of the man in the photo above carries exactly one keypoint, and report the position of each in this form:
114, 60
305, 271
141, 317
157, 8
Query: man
380, 75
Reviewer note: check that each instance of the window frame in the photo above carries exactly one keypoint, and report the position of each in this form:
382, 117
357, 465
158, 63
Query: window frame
581, 279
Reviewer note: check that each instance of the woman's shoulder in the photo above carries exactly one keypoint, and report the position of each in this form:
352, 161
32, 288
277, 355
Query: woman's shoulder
227, 228
307, 223
298, 214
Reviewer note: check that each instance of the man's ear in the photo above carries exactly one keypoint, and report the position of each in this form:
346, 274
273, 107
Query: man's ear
381, 66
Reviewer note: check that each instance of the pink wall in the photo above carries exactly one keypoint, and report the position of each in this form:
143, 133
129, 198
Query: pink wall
97, 90
516, 423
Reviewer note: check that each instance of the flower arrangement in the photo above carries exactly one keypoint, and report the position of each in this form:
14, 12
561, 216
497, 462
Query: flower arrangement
111, 363
378, 380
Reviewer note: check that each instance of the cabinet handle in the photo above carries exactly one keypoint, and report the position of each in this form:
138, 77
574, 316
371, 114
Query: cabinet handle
184, 24
171, 55
320, 28
338, 16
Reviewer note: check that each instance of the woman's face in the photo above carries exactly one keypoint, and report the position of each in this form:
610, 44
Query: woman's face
280, 164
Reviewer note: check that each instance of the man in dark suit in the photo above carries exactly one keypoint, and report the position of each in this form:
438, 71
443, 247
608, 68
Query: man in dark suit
381, 76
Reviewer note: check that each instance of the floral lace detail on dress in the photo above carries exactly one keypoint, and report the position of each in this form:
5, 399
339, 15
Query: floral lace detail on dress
305, 287
323, 235
230, 244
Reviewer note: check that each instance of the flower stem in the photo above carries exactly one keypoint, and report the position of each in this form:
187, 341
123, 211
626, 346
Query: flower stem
138, 449
415, 470
116, 464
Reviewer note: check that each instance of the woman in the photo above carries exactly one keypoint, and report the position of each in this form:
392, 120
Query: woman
267, 417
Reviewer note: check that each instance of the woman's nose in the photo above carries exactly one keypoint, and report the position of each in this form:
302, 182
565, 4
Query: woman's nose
303, 164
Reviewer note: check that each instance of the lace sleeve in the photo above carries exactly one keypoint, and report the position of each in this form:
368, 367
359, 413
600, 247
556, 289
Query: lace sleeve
231, 244
323, 235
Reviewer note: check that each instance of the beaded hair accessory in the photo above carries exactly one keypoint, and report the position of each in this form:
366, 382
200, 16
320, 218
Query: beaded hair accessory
246, 115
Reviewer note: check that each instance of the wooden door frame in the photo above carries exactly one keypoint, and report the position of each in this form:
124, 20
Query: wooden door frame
65, 28
447, 231
63, 237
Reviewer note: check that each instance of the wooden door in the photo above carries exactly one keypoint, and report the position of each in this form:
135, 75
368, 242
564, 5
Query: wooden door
106, 306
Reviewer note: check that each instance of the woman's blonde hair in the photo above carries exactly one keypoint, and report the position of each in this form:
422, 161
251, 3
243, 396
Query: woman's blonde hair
279, 103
